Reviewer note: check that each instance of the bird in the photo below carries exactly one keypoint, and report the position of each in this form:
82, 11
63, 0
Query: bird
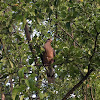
47, 58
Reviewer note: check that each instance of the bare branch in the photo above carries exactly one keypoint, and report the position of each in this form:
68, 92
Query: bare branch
77, 85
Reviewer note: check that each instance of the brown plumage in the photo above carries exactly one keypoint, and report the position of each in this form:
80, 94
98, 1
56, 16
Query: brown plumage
48, 59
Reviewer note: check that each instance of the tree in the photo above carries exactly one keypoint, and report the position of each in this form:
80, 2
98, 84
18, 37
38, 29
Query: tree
26, 25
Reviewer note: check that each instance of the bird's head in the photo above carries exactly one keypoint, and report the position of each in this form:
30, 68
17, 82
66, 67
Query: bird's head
49, 40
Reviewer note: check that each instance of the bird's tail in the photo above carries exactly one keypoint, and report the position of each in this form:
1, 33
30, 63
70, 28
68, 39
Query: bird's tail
51, 75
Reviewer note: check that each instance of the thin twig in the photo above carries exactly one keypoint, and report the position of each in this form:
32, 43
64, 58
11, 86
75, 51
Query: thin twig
91, 94
70, 36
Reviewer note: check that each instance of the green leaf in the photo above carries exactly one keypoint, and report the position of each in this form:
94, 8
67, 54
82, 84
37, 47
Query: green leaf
63, 14
14, 8
32, 84
22, 97
18, 17
35, 11
41, 95
68, 25
18, 37
27, 82
14, 93
17, 90
56, 2
21, 42
49, 10
31, 61
11, 64
22, 71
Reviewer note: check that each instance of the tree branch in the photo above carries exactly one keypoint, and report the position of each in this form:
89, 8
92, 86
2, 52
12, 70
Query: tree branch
95, 46
70, 36
77, 85
56, 26
92, 97
27, 33
89, 70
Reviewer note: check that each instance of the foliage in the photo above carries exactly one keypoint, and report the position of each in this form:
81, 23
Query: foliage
75, 27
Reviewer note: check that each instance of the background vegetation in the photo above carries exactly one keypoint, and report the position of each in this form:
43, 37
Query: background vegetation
25, 25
